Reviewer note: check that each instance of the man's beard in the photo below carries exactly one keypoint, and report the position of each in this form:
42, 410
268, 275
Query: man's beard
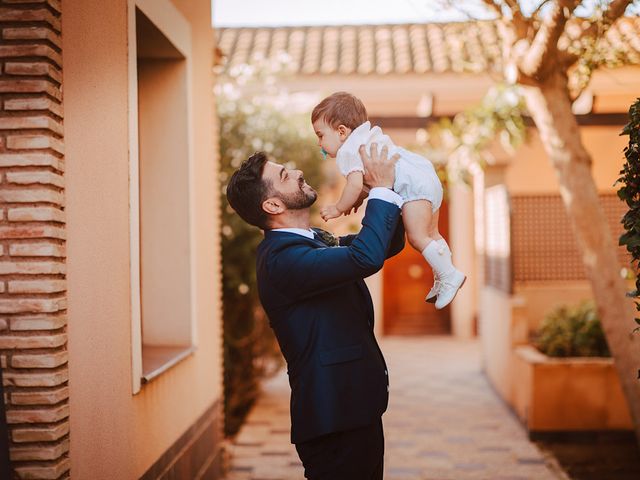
300, 199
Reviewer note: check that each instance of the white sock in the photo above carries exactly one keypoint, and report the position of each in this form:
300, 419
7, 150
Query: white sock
442, 242
439, 257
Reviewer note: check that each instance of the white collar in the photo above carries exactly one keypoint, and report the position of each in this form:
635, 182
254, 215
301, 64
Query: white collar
358, 137
298, 231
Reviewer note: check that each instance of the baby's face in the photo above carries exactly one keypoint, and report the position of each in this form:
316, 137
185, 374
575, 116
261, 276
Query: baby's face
330, 139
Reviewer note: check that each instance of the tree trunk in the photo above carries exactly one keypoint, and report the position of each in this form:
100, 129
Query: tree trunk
550, 107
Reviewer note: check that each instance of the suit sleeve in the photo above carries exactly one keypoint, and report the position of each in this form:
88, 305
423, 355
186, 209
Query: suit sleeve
397, 242
346, 240
301, 270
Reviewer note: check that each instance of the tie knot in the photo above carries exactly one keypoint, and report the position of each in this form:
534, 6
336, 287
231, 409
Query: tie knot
325, 237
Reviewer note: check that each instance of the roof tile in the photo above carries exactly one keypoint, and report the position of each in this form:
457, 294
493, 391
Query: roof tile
403, 48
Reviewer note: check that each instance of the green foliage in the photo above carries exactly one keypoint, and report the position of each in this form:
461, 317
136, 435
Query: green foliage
629, 193
465, 141
254, 115
572, 331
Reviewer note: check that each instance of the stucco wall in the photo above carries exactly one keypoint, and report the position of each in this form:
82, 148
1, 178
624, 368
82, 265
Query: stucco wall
115, 434
530, 171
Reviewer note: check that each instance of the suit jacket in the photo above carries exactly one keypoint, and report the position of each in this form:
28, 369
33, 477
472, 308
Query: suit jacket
322, 314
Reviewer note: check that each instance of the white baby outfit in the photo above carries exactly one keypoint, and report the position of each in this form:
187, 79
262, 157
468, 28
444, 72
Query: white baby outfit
416, 179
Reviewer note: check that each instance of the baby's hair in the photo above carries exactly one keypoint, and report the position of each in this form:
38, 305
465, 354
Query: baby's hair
341, 108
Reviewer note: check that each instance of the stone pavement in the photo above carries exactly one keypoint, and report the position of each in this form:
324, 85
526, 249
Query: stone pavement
444, 422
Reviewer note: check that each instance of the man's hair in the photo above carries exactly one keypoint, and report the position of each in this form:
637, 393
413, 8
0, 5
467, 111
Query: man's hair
341, 108
247, 190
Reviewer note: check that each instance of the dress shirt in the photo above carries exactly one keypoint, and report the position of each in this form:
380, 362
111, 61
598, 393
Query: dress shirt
298, 231
386, 194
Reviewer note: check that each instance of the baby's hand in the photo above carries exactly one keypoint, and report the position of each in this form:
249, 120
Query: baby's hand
329, 212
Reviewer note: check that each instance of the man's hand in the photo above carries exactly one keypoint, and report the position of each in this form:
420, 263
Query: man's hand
329, 212
379, 169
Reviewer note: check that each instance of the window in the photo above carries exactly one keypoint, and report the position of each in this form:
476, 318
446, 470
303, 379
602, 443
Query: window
160, 163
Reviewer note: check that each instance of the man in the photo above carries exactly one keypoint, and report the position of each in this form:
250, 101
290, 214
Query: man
321, 311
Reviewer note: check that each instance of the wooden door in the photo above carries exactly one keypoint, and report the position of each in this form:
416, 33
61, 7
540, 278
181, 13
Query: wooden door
407, 278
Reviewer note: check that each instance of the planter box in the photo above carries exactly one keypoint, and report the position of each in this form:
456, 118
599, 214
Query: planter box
574, 394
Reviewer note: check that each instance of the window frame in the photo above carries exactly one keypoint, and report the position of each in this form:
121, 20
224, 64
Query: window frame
173, 25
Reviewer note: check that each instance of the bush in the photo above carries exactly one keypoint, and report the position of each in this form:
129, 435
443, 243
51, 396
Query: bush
572, 331
629, 193
266, 120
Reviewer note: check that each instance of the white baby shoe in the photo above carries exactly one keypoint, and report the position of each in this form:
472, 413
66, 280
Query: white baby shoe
449, 287
433, 293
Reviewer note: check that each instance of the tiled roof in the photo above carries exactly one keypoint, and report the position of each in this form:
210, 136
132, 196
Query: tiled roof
386, 49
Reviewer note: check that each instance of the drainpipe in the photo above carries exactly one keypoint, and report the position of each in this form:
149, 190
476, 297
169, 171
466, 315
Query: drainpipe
5, 468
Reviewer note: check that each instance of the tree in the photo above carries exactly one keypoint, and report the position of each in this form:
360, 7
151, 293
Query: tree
254, 114
551, 55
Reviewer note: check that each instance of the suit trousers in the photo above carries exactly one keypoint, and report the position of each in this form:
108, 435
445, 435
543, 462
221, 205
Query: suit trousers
356, 454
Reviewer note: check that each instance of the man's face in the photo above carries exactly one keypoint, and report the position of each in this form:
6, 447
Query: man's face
289, 186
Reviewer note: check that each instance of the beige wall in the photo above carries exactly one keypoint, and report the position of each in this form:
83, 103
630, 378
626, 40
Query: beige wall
537, 299
530, 172
461, 242
496, 331
114, 434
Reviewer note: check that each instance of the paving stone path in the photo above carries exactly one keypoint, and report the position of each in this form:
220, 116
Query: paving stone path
444, 422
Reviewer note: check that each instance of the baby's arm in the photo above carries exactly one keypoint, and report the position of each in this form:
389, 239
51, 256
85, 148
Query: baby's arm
351, 192
348, 199
363, 195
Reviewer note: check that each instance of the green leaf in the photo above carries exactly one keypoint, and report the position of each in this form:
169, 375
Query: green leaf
631, 239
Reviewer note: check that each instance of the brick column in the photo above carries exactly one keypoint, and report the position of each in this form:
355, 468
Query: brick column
33, 340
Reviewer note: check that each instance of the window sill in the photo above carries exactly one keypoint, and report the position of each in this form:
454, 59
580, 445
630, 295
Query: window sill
158, 359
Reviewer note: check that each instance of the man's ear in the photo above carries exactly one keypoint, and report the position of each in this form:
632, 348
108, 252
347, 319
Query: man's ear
343, 131
273, 206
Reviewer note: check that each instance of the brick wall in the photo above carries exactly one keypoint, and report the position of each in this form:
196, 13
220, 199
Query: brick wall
32, 232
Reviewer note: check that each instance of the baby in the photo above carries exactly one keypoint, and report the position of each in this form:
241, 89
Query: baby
340, 122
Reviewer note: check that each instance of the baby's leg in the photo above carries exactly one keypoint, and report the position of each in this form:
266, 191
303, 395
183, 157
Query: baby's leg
418, 219
432, 229
435, 233
421, 224
417, 216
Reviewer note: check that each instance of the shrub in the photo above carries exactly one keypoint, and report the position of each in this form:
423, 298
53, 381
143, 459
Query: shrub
254, 114
572, 331
629, 193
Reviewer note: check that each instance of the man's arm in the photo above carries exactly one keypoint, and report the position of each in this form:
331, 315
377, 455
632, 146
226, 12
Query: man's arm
397, 242
301, 270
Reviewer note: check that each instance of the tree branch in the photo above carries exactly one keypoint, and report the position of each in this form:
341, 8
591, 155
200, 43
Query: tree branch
616, 10
540, 57
519, 20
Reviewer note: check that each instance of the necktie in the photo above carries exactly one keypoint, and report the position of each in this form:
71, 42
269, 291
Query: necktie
326, 237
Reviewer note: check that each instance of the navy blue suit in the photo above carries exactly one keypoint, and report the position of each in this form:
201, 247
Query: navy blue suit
322, 314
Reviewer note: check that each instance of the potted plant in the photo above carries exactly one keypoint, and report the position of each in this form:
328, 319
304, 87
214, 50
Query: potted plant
565, 380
